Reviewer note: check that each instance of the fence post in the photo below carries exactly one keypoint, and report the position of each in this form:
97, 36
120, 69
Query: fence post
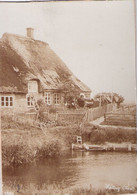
56, 116
91, 115
105, 117
88, 116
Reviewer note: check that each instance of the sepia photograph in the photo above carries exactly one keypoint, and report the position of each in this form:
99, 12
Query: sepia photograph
68, 98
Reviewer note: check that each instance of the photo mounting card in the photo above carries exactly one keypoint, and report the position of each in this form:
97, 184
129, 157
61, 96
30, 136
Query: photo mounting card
68, 97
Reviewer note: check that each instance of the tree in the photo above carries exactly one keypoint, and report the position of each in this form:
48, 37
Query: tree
42, 108
81, 101
107, 98
71, 93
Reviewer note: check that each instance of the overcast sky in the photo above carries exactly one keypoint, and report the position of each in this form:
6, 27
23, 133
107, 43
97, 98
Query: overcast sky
96, 39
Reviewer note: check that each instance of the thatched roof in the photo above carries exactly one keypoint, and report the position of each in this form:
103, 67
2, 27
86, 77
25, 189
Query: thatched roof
23, 59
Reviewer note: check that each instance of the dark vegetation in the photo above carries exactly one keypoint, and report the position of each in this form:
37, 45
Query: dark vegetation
74, 100
123, 123
102, 99
95, 135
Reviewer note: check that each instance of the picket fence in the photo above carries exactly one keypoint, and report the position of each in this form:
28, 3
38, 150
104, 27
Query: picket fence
122, 119
70, 116
91, 114
98, 112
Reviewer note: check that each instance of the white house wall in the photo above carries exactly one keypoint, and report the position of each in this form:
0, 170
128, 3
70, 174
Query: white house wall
20, 102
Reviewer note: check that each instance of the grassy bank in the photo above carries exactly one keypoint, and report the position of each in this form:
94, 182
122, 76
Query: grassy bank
23, 143
101, 135
58, 189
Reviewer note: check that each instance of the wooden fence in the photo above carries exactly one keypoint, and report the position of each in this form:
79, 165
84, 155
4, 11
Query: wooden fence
127, 109
25, 117
122, 119
76, 116
71, 117
98, 112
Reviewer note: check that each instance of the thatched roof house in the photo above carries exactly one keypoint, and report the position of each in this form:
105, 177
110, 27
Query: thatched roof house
30, 66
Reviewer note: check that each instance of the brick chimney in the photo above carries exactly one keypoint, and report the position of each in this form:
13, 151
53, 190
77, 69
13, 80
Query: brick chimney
30, 33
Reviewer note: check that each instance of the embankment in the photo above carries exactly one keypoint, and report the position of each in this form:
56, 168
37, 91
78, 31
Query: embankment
100, 135
23, 143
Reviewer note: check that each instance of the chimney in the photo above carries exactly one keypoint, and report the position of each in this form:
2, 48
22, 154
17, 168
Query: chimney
30, 33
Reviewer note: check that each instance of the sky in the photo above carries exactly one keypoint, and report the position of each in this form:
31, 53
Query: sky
95, 39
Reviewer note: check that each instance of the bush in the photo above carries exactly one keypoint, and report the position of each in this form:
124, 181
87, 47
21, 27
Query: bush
52, 149
52, 109
21, 146
17, 153
81, 102
27, 149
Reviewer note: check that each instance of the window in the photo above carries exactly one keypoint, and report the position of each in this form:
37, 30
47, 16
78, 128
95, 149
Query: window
6, 101
48, 98
33, 86
30, 101
57, 98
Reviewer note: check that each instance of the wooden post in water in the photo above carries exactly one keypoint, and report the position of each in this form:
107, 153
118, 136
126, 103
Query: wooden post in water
72, 146
106, 148
129, 147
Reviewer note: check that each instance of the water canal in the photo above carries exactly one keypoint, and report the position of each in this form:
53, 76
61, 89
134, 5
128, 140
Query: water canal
78, 169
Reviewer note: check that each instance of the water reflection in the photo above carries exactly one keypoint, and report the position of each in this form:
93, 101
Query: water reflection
79, 169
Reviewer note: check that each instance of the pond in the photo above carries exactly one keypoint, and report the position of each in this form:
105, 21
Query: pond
79, 169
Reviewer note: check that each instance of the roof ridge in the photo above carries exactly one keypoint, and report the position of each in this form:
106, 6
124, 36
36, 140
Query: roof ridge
14, 35
5, 35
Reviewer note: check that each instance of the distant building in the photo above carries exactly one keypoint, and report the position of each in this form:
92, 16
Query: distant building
30, 70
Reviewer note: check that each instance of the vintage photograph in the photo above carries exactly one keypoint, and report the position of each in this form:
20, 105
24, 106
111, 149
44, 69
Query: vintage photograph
68, 98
